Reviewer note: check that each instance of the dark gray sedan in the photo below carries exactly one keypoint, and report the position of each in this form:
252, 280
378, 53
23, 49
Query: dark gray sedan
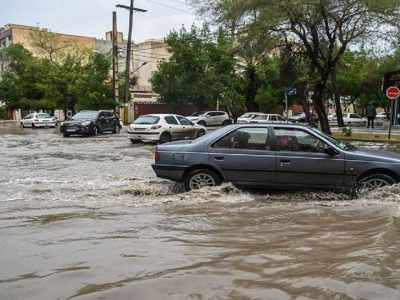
286, 156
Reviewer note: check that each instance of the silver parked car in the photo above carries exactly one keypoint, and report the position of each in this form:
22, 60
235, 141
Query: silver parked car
207, 118
35, 120
248, 116
163, 128
275, 156
268, 118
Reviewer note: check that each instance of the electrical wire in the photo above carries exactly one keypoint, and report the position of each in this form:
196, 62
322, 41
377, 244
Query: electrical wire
172, 7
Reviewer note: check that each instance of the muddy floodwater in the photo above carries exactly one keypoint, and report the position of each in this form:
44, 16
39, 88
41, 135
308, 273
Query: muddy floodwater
86, 218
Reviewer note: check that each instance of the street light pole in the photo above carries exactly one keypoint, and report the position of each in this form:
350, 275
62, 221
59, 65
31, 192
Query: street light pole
128, 54
115, 71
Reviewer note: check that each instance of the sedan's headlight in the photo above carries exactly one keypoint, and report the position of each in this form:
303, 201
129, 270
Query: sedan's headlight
86, 123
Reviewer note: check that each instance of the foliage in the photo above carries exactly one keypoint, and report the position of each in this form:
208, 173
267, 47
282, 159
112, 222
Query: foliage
200, 71
346, 131
78, 79
318, 30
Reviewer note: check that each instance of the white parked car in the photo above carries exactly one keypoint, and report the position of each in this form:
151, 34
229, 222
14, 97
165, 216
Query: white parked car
268, 118
248, 116
383, 115
207, 118
38, 120
351, 118
163, 128
331, 117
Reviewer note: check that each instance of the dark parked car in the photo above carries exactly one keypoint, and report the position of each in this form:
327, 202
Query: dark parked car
275, 156
90, 122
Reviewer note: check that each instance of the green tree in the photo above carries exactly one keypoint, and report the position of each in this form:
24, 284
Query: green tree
200, 71
319, 30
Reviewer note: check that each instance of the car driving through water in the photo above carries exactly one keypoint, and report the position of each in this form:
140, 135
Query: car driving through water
283, 156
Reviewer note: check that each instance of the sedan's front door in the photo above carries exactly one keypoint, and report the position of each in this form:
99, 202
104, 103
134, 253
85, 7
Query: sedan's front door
244, 156
177, 131
189, 131
301, 160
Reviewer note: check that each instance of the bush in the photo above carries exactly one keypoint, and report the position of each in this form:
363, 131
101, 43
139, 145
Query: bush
346, 131
2, 112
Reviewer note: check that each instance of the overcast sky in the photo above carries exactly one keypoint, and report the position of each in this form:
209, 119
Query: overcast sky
94, 17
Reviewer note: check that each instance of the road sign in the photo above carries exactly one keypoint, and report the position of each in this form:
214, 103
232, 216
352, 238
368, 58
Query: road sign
391, 79
291, 91
393, 92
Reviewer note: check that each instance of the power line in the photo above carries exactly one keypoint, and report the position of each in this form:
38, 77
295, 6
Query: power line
172, 7
180, 2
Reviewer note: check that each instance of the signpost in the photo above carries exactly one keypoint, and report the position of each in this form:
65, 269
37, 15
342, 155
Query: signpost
392, 92
289, 92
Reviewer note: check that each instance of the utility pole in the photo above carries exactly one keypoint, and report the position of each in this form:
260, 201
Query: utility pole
128, 55
115, 75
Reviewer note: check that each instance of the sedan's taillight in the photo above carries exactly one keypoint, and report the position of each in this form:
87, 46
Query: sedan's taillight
154, 127
156, 156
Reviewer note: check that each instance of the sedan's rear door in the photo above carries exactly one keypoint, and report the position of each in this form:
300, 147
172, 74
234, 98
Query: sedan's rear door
174, 127
244, 156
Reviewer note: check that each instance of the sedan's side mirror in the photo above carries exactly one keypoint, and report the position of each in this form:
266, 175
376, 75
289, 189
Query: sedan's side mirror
330, 151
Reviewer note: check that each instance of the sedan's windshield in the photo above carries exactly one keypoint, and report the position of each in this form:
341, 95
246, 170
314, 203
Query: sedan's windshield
198, 114
147, 120
246, 115
337, 143
85, 115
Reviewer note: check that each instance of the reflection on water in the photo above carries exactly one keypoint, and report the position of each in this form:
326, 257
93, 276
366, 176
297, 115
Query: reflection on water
86, 218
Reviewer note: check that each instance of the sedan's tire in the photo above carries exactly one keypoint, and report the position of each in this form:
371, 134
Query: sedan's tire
65, 134
348, 124
202, 123
95, 131
116, 129
21, 125
133, 141
33, 126
201, 178
374, 181
226, 122
165, 138
200, 133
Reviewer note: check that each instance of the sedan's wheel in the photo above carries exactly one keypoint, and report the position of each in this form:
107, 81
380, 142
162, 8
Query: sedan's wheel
226, 122
33, 125
165, 138
65, 134
201, 178
21, 125
200, 133
374, 181
348, 124
133, 141
202, 123
95, 131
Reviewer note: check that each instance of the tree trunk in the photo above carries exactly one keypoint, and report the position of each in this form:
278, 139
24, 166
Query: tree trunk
336, 95
318, 102
251, 89
303, 93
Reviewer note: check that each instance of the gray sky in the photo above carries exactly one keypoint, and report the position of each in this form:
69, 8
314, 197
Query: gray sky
94, 17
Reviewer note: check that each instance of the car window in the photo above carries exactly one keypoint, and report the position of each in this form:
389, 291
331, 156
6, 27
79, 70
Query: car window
198, 114
183, 120
85, 115
245, 138
171, 120
43, 116
262, 117
28, 116
272, 118
246, 115
147, 120
298, 140
108, 114
280, 118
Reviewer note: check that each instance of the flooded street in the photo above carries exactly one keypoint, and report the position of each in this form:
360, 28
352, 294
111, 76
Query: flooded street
86, 218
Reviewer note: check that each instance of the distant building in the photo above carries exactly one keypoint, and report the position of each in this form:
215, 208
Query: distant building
145, 57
